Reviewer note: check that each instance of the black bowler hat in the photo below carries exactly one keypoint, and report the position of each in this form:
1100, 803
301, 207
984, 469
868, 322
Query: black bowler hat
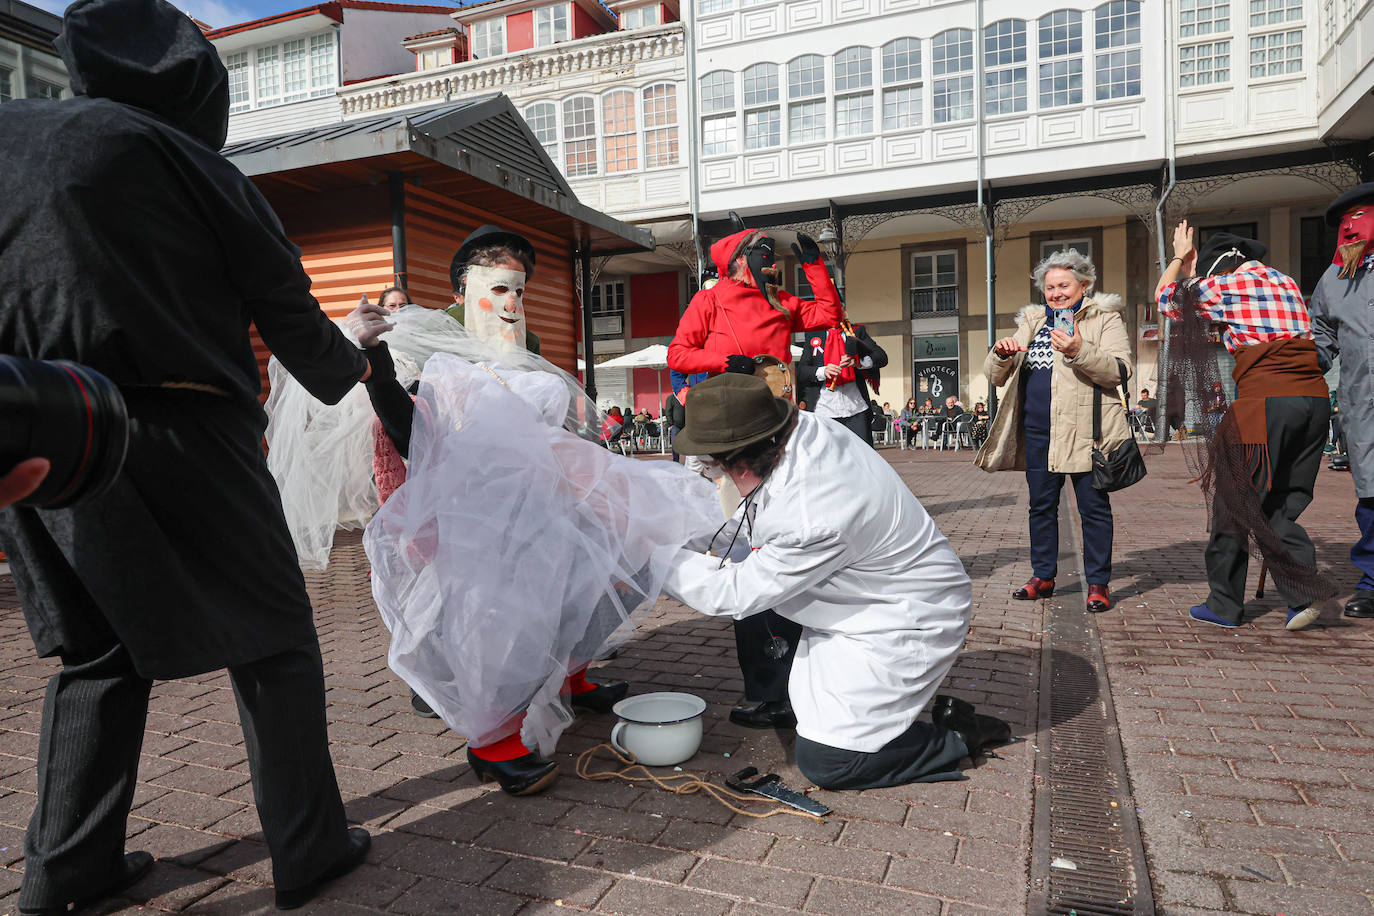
730, 411
485, 237
1222, 243
1356, 195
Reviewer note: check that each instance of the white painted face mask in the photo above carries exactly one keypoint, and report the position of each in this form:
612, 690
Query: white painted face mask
494, 306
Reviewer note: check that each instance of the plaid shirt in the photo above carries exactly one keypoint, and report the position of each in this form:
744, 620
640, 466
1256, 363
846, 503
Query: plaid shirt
1257, 304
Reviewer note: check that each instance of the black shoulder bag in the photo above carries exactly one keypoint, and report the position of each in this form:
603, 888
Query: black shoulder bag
1125, 465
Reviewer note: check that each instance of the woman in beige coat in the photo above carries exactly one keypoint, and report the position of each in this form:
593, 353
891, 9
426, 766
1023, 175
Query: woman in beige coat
1062, 353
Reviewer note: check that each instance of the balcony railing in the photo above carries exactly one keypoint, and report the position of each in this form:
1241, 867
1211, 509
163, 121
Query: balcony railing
597, 52
930, 303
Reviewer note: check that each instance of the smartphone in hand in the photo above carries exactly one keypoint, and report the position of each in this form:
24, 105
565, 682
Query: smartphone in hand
1063, 321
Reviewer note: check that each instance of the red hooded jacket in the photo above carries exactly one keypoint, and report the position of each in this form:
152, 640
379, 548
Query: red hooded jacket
733, 317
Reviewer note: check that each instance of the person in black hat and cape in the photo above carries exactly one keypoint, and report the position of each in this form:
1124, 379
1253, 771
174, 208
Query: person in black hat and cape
1343, 326
133, 246
881, 600
1260, 456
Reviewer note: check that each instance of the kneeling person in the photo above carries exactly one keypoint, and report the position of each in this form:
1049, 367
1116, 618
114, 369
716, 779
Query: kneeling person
843, 548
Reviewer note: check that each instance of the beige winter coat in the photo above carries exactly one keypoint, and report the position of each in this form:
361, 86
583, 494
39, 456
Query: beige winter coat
1071, 391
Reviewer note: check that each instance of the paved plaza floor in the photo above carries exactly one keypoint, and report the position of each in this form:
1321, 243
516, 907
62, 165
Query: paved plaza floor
1250, 754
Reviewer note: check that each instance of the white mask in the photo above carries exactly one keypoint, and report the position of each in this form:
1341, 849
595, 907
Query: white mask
494, 306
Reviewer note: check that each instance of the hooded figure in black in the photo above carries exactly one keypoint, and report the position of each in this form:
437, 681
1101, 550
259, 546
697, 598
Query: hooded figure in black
129, 244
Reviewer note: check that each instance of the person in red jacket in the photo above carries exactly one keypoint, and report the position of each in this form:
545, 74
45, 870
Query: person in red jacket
742, 316
745, 314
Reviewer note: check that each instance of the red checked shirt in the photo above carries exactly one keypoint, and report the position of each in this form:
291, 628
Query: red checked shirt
1256, 303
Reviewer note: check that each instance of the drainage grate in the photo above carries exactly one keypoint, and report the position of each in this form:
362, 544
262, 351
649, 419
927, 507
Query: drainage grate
1084, 811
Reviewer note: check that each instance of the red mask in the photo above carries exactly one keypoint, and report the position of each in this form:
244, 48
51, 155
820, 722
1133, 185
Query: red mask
1353, 238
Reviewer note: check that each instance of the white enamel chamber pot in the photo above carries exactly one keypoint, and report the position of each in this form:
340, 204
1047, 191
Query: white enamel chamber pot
660, 729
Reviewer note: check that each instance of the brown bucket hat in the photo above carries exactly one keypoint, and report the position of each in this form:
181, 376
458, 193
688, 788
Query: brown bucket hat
730, 411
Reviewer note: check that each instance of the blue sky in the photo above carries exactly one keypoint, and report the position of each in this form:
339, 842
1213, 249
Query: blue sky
219, 13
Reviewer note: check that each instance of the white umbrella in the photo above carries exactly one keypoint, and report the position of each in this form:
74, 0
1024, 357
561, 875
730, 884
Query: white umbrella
651, 357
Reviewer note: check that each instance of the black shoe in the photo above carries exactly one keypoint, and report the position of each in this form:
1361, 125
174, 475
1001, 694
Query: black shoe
1341, 463
526, 775
978, 731
768, 714
421, 708
359, 842
136, 865
946, 706
1361, 605
602, 698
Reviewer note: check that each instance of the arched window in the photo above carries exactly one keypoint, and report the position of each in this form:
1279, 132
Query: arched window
1117, 41
1004, 63
902, 84
762, 117
579, 136
1061, 58
542, 117
854, 91
660, 126
951, 63
720, 127
619, 138
806, 99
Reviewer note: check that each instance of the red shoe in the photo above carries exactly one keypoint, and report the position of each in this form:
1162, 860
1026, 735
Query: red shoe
1098, 599
1034, 590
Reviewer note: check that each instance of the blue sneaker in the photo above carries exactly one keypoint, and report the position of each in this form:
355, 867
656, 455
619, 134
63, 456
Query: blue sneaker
1302, 618
1204, 613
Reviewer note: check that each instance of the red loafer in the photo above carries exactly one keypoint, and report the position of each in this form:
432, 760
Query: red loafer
1035, 589
1098, 599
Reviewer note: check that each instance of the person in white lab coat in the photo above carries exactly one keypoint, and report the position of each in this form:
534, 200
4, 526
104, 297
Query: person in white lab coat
842, 547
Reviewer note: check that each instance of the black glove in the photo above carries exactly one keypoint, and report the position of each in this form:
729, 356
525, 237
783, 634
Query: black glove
851, 346
740, 363
806, 249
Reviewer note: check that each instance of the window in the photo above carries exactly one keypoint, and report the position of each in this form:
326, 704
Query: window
619, 139
488, 38
1274, 12
237, 65
853, 71
718, 135
579, 137
42, 89
951, 54
640, 17
806, 91
1204, 64
1203, 17
432, 59
1318, 245
550, 25
854, 115
6, 84
542, 117
295, 61
323, 73
1004, 46
934, 283
1061, 63
762, 120
1118, 70
1051, 246
608, 308
902, 84
717, 92
1275, 54
660, 126
801, 287
707, 7
269, 75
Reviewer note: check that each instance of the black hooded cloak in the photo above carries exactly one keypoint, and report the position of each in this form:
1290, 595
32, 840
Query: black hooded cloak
129, 244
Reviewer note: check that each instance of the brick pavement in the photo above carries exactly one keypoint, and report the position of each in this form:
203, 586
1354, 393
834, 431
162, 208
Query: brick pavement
1272, 763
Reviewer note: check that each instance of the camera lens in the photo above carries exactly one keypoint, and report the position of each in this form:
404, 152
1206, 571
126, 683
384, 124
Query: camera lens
71, 415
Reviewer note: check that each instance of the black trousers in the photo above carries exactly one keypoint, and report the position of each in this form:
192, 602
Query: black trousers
1297, 430
92, 731
861, 423
765, 679
925, 752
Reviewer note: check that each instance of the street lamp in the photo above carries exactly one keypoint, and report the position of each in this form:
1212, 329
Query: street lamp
829, 244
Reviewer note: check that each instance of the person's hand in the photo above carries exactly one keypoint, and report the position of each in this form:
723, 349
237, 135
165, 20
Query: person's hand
832, 371
1068, 344
806, 249
23, 479
740, 363
1183, 241
846, 361
1008, 346
368, 322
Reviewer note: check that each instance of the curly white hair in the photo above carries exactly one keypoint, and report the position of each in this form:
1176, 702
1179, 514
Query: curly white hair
1071, 260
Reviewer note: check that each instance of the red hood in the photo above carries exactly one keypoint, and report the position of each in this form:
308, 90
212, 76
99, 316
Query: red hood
722, 251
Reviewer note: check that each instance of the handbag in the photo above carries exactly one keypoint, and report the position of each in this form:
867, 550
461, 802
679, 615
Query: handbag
1124, 465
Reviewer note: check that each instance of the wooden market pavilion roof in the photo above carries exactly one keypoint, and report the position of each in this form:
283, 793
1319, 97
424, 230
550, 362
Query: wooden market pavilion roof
479, 150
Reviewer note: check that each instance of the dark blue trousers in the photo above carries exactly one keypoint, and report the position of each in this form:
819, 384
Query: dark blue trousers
1362, 554
1095, 511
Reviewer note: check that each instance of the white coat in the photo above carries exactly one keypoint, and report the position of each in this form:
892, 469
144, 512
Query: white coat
843, 547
